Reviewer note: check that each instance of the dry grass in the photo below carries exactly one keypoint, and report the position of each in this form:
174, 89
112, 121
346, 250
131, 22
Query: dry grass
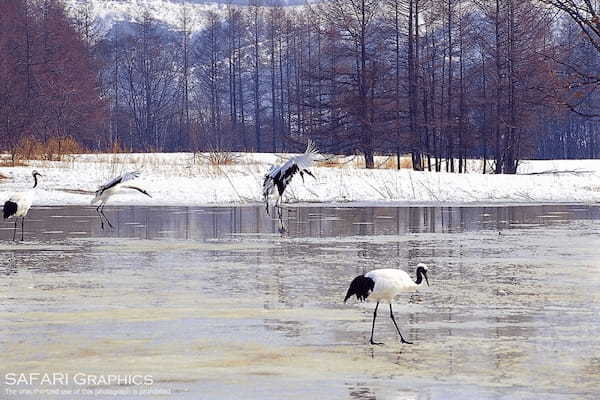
592, 188
330, 164
220, 158
117, 147
9, 162
381, 162
405, 162
54, 149
335, 162
392, 163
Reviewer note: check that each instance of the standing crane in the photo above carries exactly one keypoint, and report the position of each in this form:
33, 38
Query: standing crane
382, 285
19, 204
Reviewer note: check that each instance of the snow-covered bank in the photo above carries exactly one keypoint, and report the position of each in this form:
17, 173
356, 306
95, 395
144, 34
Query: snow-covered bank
176, 179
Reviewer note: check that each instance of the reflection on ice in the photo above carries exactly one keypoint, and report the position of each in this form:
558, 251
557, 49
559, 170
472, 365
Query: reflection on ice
217, 304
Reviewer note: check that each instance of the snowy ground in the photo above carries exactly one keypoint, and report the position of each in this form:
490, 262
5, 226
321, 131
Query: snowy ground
176, 179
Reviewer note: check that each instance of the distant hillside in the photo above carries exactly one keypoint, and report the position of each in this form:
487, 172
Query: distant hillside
166, 11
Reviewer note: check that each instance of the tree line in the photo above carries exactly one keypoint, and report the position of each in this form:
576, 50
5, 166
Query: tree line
48, 76
443, 80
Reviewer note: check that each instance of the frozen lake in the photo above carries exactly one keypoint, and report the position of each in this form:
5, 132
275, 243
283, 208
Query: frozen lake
212, 303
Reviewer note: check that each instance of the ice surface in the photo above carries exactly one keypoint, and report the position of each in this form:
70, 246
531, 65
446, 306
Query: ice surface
224, 308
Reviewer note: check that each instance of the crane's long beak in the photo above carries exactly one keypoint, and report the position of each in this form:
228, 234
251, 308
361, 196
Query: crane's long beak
426, 279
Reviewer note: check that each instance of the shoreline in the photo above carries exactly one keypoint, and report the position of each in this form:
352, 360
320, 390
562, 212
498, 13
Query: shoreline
180, 180
357, 204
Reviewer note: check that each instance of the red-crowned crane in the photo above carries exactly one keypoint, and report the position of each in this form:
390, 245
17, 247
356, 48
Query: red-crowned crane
382, 285
106, 191
19, 204
278, 178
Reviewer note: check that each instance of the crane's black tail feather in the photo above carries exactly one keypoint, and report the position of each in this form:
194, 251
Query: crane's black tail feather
10, 209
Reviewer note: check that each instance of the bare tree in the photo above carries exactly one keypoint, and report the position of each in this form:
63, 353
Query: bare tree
255, 18
185, 20
147, 80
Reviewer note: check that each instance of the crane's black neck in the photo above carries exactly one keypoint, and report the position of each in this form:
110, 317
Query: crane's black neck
420, 275
35, 182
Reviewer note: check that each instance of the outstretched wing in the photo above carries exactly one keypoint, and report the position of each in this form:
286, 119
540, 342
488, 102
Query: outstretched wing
307, 159
285, 176
138, 189
279, 177
268, 183
118, 180
268, 186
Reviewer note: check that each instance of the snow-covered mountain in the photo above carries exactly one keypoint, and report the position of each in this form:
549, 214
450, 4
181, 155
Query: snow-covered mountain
168, 12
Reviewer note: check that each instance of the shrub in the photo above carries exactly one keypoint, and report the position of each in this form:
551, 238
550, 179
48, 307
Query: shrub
54, 149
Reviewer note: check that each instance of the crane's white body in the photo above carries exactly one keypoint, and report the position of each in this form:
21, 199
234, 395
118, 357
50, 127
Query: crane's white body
382, 285
105, 195
23, 200
389, 283
19, 203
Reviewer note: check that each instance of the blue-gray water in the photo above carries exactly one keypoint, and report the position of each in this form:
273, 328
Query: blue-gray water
213, 303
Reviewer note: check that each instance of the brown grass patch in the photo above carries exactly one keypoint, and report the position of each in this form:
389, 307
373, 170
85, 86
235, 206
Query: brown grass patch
117, 147
388, 163
28, 149
392, 163
406, 162
54, 149
218, 158
8, 162
331, 163
358, 161
341, 162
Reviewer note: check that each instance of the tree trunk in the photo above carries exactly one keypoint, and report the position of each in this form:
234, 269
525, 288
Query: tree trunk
450, 123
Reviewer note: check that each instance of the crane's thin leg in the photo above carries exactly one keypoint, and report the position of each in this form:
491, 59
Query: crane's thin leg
15, 230
394, 320
22, 221
105, 217
280, 217
373, 326
100, 216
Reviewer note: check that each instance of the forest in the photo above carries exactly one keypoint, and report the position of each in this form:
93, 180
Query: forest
442, 80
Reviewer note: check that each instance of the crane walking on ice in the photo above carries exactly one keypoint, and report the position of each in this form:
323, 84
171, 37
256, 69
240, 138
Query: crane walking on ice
19, 204
106, 191
278, 178
382, 285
